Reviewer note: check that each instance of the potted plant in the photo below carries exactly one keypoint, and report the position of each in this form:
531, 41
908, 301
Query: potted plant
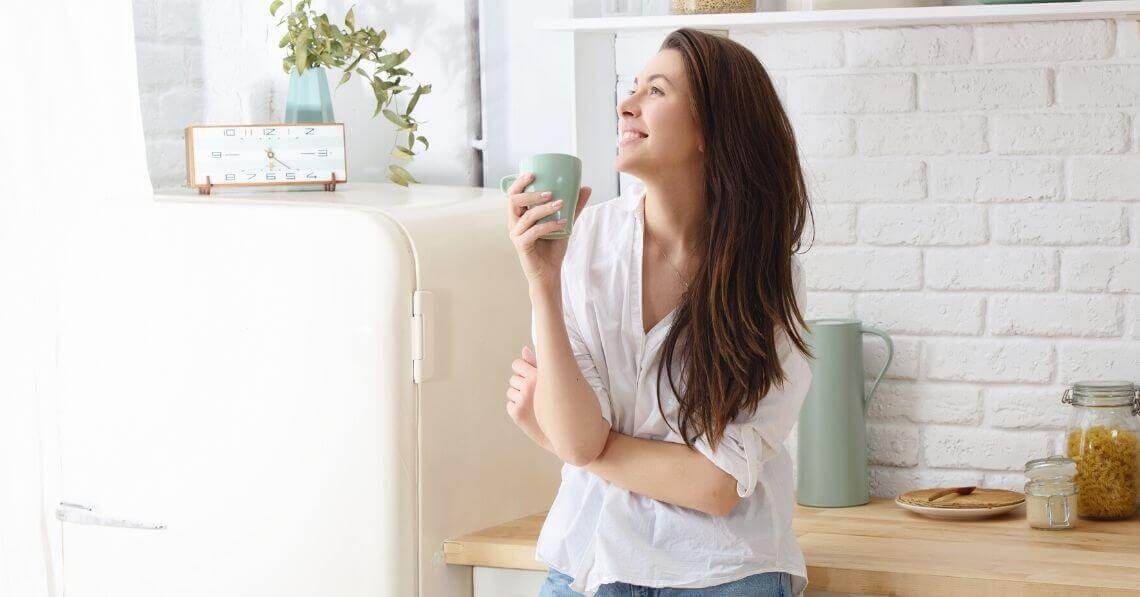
312, 43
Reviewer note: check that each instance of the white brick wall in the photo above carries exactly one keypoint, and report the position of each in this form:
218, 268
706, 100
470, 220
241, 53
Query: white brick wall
976, 193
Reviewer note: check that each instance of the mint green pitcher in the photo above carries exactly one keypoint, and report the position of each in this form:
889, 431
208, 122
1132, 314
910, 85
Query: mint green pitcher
831, 450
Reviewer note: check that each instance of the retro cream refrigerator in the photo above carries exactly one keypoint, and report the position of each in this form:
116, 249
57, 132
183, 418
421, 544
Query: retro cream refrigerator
291, 393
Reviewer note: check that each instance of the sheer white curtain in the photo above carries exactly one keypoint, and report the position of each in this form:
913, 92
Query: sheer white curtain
71, 153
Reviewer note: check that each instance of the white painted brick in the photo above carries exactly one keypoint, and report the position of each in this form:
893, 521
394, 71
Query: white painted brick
845, 181
825, 136
161, 65
1083, 360
839, 94
1055, 315
905, 363
179, 20
991, 269
921, 134
995, 179
1058, 41
1098, 85
904, 46
145, 18
892, 445
166, 160
1101, 270
857, 268
633, 50
890, 482
922, 313
176, 108
1007, 481
925, 403
983, 89
1104, 178
1059, 133
1059, 224
895, 224
982, 360
1135, 228
829, 304
1037, 407
795, 49
834, 224
1133, 318
1127, 38
989, 449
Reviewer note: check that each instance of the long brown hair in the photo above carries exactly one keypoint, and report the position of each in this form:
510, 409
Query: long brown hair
742, 294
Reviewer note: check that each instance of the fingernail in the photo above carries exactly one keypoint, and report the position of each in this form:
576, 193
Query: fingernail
557, 202
545, 195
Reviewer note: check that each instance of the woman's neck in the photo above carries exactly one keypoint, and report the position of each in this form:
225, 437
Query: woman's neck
675, 214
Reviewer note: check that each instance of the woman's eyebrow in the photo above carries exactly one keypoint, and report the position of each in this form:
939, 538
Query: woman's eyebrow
651, 77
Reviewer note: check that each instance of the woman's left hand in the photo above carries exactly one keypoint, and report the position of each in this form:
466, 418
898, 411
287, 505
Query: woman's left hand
520, 398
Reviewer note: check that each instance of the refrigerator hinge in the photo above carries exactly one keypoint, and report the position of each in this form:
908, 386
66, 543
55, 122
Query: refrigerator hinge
422, 303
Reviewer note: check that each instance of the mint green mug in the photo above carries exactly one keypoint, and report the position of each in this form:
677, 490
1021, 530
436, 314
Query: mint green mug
559, 173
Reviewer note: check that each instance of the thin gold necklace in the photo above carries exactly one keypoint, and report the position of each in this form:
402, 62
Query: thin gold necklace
680, 276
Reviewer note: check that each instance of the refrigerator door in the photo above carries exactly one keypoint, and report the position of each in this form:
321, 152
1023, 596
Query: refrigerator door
237, 403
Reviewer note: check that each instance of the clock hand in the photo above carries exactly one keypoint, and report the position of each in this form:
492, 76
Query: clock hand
284, 164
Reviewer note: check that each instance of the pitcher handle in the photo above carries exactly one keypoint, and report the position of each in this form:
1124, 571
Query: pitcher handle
870, 329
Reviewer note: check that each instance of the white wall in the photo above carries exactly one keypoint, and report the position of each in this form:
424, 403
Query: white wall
214, 61
977, 195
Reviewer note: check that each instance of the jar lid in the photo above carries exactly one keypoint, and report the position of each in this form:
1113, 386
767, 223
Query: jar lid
1101, 393
1051, 467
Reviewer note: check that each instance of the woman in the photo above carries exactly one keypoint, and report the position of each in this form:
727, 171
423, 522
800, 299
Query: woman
676, 479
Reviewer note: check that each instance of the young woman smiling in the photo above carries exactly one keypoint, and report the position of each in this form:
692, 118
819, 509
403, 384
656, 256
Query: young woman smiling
670, 361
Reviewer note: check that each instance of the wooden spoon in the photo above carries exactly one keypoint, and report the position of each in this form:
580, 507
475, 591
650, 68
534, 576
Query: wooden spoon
954, 490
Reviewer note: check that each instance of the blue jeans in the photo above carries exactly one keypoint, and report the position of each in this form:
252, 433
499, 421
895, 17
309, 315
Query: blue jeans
765, 584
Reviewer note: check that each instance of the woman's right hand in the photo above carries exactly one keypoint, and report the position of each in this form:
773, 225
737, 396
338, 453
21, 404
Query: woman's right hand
541, 258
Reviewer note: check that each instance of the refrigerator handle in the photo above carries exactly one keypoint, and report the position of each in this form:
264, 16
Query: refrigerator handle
83, 514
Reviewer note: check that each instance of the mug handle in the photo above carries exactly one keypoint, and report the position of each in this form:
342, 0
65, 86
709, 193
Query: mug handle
506, 182
869, 329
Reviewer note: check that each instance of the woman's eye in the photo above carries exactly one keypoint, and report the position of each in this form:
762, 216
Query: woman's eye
651, 90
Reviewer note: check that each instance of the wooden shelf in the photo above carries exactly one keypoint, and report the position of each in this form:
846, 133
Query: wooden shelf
873, 17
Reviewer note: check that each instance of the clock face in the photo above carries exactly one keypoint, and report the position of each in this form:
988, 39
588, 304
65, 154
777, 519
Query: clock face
292, 153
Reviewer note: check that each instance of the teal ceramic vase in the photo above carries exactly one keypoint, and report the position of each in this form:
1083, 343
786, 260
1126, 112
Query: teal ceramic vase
309, 99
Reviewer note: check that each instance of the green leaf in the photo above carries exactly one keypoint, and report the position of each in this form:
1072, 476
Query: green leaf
349, 19
426, 88
344, 79
273, 6
360, 71
400, 176
285, 40
396, 119
412, 102
379, 106
401, 152
424, 141
411, 138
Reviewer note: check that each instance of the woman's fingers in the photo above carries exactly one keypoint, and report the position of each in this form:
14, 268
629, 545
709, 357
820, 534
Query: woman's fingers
583, 196
518, 382
529, 356
531, 236
521, 367
533, 214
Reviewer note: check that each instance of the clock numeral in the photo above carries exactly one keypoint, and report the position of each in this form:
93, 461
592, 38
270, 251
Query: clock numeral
230, 132
269, 132
231, 177
311, 175
290, 176
251, 176
215, 154
309, 130
270, 176
322, 153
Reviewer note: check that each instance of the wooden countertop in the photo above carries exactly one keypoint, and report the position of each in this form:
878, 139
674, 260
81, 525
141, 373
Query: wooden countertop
880, 548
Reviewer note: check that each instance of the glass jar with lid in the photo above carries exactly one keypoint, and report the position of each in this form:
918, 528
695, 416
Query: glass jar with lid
1103, 438
694, 7
1051, 494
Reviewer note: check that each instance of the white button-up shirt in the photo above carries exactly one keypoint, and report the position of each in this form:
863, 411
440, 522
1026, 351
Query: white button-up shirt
598, 532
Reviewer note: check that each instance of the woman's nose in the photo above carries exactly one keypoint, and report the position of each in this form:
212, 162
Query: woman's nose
627, 106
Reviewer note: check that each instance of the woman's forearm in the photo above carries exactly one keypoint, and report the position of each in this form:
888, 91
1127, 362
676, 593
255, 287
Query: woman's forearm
565, 404
666, 471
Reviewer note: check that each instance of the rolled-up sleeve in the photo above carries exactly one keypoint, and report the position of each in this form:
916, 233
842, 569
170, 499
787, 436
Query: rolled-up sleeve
748, 444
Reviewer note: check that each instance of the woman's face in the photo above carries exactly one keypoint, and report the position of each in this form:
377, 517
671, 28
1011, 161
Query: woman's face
659, 109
